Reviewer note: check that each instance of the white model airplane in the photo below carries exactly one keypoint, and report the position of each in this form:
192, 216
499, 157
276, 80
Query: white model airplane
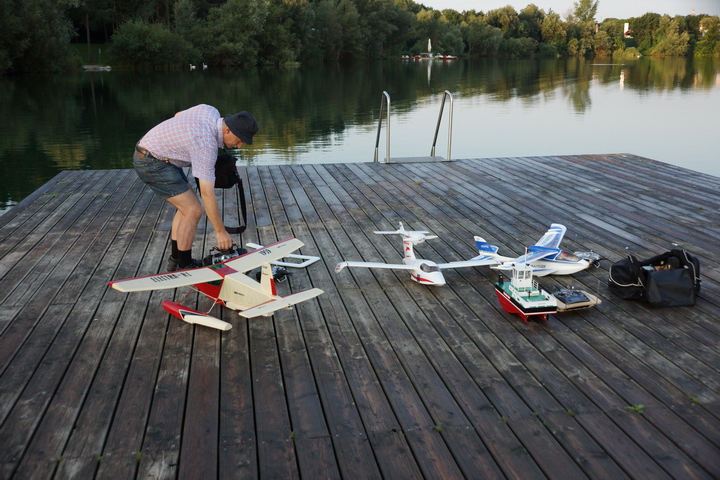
425, 272
226, 284
545, 257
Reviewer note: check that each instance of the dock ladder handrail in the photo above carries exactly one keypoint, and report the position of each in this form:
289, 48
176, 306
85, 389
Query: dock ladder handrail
385, 104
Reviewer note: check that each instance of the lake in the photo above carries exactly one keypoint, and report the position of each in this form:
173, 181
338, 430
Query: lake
662, 108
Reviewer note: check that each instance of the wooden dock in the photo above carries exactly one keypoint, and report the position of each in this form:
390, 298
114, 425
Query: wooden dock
379, 377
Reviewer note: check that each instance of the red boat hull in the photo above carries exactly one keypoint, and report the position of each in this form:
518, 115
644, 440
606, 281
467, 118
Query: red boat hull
511, 307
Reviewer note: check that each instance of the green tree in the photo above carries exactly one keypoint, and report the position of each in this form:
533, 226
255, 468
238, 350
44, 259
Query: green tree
151, 45
642, 29
450, 39
614, 29
483, 40
278, 44
229, 35
337, 26
517, 47
531, 20
506, 19
553, 30
669, 39
186, 22
34, 36
381, 22
603, 44
585, 10
710, 41
582, 28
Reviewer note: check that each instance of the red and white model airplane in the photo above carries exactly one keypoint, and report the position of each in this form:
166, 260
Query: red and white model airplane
226, 284
422, 271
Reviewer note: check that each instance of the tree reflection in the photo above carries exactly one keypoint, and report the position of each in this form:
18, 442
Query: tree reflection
93, 120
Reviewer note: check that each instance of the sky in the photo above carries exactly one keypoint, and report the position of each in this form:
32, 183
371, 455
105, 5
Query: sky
606, 8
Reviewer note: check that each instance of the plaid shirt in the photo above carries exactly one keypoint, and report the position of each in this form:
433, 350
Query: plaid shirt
191, 138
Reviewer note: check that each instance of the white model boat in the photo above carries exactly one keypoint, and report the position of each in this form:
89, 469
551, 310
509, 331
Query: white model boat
522, 295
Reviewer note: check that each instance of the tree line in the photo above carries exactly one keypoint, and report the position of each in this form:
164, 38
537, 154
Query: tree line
35, 36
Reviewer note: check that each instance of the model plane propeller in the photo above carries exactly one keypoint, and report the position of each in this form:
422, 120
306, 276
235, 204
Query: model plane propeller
545, 257
422, 271
226, 283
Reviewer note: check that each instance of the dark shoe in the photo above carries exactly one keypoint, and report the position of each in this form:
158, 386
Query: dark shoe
194, 264
171, 265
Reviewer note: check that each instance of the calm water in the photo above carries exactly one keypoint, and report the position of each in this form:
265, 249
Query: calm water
665, 109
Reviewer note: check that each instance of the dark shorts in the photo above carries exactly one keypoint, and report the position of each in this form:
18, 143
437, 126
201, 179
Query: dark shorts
165, 179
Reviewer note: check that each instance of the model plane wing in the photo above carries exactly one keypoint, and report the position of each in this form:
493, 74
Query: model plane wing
267, 308
473, 262
166, 280
256, 258
393, 266
552, 237
534, 255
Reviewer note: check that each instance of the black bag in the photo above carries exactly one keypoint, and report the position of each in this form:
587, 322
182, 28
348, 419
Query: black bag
226, 176
671, 279
626, 279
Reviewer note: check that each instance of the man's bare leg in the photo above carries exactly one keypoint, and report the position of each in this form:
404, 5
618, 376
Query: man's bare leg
184, 225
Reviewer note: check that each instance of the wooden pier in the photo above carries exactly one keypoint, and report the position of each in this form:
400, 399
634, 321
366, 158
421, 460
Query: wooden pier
379, 377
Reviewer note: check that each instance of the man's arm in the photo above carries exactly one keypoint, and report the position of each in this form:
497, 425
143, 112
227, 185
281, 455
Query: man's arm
212, 210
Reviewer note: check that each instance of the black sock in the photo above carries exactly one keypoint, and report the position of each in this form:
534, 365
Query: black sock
175, 253
184, 258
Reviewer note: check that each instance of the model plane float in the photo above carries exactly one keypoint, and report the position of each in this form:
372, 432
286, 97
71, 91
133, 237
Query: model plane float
226, 283
425, 272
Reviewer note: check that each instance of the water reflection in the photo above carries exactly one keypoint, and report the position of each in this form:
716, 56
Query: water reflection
329, 113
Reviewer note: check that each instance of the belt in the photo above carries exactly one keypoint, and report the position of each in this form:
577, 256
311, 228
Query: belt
144, 152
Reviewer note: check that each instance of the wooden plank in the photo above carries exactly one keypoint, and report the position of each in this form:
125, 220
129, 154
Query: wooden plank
237, 436
32, 354
276, 452
59, 421
199, 452
306, 413
394, 458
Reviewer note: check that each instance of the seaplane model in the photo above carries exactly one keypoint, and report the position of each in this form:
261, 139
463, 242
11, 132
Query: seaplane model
545, 257
425, 272
226, 283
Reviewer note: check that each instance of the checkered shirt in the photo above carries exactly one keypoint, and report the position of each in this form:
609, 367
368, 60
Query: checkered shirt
191, 138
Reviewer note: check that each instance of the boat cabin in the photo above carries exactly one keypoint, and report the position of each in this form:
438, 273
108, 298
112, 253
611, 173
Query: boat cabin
522, 280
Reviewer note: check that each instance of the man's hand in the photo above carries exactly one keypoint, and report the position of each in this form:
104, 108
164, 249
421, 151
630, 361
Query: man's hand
212, 210
224, 242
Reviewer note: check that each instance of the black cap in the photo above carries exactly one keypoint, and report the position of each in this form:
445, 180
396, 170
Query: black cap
243, 125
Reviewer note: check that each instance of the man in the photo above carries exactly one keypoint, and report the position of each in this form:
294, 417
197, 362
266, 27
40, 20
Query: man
191, 138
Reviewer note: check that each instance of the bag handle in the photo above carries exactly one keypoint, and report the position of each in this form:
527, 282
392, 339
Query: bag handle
243, 209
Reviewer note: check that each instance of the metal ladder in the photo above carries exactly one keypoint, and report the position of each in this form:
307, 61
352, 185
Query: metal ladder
385, 104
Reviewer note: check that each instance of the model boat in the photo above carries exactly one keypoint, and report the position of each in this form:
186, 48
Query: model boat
522, 295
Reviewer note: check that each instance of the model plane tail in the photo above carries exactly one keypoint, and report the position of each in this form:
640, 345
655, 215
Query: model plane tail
268, 308
484, 247
267, 280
